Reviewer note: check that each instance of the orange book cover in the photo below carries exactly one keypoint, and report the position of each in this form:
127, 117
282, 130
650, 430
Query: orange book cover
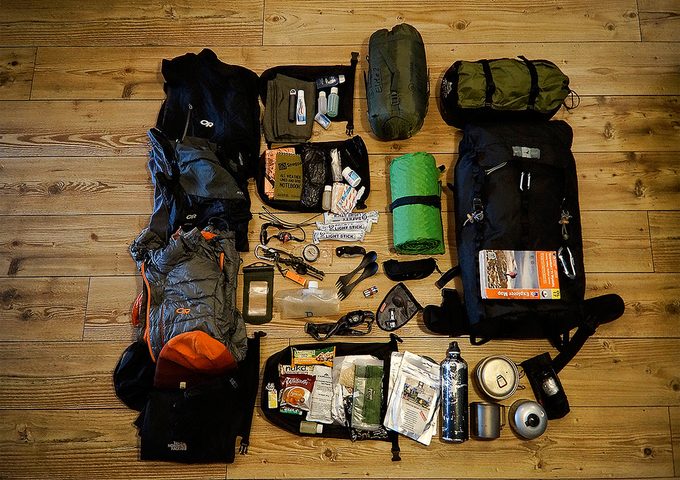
519, 275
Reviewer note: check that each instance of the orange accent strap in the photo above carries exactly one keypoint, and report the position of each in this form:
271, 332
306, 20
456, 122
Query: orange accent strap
222, 261
147, 333
136, 310
208, 235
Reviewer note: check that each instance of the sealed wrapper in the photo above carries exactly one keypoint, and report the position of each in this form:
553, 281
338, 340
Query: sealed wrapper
296, 390
288, 369
371, 216
343, 226
322, 395
346, 236
317, 356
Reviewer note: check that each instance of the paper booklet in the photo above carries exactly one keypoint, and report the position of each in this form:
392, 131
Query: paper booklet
519, 275
413, 398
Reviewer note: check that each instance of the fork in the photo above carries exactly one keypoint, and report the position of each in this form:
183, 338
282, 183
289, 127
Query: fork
345, 279
370, 270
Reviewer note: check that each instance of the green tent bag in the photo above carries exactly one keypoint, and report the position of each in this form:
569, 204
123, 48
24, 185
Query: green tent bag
416, 205
397, 87
501, 90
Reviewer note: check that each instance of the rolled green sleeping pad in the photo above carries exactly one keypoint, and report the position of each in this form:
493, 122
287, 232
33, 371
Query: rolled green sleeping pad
416, 205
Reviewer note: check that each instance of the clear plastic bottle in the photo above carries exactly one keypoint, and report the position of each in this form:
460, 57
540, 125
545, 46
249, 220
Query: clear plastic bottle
333, 103
322, 103
307, 302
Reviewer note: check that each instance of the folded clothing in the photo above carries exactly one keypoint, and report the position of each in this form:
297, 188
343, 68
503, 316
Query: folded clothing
277, 126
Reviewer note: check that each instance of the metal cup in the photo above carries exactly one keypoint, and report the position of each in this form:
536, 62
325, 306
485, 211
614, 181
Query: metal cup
486, 420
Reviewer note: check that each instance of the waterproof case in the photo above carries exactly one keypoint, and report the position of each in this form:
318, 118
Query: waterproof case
317, 172
258, 289
271, 387
310, 73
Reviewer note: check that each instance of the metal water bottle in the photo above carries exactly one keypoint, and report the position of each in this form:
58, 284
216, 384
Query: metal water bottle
454, 402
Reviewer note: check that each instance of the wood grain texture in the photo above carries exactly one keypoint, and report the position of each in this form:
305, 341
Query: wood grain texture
630, 181
659, 21
651, 312
109, 305
298, 23
674, 413
42, 308
16, 73
79, 185
68, 245
111, 128
75, 185
652, 303
665, 232
96, 444
128, 23
588, 443
97, 246
594, 68
77, 375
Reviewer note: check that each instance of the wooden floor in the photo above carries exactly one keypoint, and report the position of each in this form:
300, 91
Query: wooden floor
79, 87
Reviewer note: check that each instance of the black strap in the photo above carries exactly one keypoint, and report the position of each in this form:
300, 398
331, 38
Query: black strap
431, 200
449, 275
350, 115
490, 85
533, 92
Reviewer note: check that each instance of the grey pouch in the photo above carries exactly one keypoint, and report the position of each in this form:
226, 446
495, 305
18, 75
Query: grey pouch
397, 308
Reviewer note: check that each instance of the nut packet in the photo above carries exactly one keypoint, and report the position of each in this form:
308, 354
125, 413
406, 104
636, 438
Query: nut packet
317, 356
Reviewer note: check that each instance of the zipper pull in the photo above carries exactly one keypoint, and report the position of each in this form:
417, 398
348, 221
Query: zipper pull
564, 221
477, 214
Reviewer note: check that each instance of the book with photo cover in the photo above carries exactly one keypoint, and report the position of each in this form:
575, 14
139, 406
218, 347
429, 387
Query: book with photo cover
519, 275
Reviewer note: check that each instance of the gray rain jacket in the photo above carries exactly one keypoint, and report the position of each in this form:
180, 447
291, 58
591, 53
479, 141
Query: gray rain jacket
190, 285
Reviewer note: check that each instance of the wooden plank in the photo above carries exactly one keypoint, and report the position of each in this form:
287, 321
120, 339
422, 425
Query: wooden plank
112, 128
628, 181
98, 245
109, 305
651, 312
299, 23
616, 242
607, 372
75, 185
589, 443
96, 444
652, 303
16, 73
594, 68
675, 429
665, 231
659, 20
42, 308
127, 23
68, 246
80, 185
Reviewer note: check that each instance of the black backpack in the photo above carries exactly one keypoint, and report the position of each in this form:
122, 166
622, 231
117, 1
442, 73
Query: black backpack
516, 189
209, 99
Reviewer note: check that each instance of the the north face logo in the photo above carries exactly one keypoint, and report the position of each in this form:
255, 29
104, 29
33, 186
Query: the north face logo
177, 446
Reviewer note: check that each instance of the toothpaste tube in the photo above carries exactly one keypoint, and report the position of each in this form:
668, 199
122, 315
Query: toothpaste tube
346, 236
371, 216
344, 226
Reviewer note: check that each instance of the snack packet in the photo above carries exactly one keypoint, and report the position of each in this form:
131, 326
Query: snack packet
318, 356
296, 391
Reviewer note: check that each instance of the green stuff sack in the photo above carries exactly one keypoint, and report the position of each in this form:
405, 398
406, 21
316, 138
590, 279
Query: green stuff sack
416, 205
397, 87
501, 90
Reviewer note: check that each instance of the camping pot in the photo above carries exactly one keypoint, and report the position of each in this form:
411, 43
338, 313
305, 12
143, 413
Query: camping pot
527, 419
486, 420
497, 376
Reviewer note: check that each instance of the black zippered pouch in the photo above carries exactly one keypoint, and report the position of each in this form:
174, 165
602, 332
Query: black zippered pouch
311, 73
317, 173
291, 423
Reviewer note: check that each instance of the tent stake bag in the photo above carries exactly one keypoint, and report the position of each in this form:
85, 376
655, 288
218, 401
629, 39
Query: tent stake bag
516, 191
